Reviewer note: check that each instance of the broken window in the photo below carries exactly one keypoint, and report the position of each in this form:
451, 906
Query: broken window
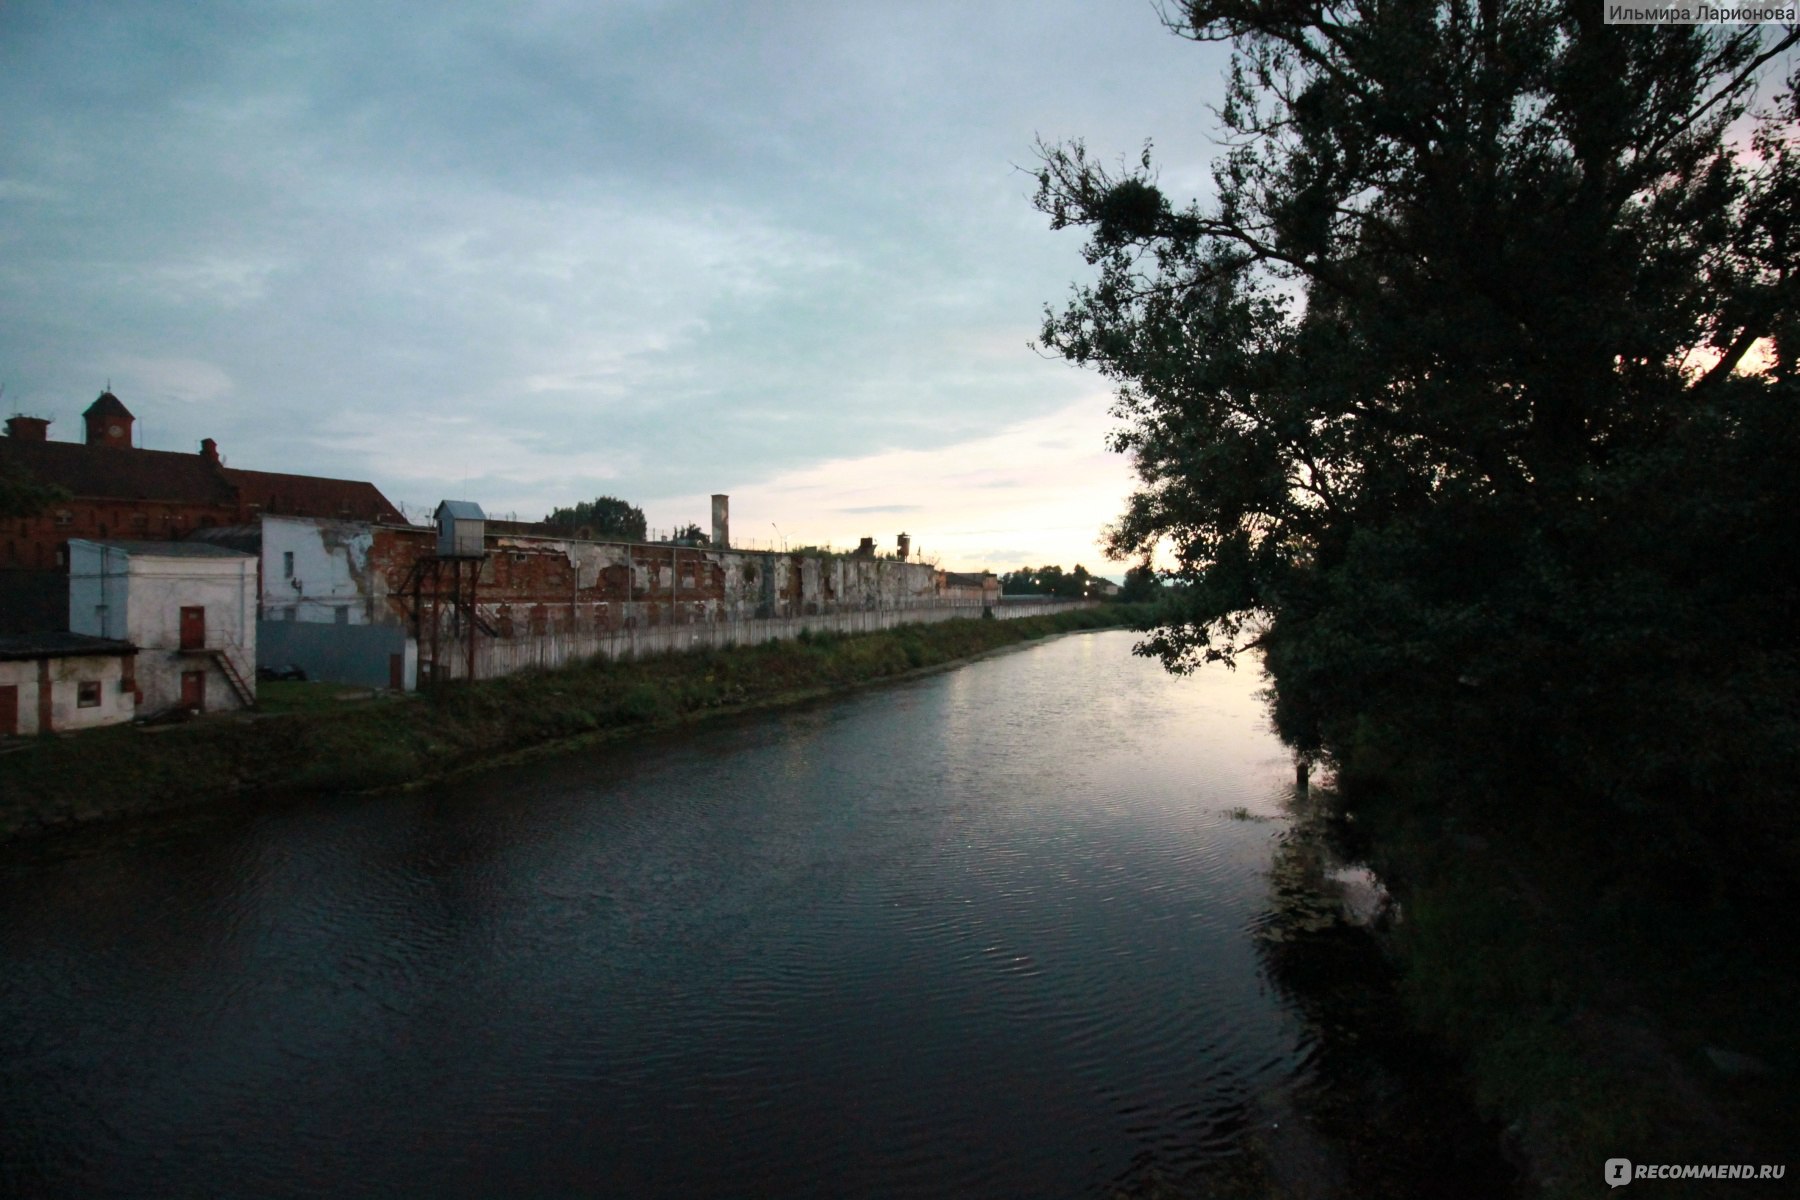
87, 693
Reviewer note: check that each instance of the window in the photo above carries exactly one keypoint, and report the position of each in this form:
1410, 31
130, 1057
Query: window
87, 694
341, 614
64, 517
287, 564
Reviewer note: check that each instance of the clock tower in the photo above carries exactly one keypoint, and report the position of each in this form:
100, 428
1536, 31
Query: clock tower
108, 422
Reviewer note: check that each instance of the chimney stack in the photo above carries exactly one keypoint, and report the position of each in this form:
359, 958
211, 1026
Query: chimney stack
721, 537
209, 450
905, 546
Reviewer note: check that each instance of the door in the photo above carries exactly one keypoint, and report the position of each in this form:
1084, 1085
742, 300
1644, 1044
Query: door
193, 628
193, 690
397, 672
9, 710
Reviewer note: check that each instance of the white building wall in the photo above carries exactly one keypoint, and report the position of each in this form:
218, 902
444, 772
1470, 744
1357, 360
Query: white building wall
66, 675
150, 590
316, 570
99, 588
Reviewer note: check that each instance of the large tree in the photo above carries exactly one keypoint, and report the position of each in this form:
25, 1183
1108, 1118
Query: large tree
601, 517
1476, 374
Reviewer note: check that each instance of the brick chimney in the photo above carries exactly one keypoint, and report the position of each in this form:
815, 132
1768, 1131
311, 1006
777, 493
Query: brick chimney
28, 429
209, 450
721, 514
905, 546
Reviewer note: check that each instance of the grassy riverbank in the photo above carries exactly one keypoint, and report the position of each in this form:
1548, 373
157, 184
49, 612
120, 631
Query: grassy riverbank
330, 745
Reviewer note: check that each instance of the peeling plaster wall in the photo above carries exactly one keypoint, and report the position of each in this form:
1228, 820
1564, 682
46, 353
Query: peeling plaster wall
328, 573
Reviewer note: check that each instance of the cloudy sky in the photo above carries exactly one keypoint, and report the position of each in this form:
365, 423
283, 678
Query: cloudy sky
530, 253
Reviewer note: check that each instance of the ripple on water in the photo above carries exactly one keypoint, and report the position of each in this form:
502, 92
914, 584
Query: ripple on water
982, 933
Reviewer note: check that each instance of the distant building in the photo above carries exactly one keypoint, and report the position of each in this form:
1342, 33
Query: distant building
188, 607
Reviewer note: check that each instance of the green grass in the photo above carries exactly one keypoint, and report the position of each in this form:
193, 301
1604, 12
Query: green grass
284, 697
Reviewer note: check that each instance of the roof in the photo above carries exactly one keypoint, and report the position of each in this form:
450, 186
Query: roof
108, 405
311, 495
118, 473
247, 538
16, 646
967, 578
149, 549
461, 510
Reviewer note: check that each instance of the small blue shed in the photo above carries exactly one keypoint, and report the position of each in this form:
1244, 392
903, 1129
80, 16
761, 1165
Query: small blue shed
462, 529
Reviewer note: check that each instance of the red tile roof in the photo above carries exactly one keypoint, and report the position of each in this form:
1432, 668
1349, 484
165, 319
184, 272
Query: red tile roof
118, 473
108, 405
311, 496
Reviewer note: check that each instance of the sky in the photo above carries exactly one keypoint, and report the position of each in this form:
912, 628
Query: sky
531, 253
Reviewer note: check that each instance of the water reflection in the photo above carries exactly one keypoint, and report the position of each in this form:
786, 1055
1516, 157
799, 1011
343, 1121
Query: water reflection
991, 932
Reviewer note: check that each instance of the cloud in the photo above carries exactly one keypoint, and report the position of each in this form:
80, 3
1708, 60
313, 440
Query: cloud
187, 380
532, 254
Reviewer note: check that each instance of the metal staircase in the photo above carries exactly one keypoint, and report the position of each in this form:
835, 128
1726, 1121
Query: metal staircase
227, 668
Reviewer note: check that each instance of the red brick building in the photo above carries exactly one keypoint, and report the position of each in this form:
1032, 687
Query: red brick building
121, 491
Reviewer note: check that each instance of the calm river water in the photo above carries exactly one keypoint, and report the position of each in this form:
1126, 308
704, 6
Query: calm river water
992, 932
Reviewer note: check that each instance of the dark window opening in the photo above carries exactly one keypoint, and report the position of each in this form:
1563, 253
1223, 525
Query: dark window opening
87, 694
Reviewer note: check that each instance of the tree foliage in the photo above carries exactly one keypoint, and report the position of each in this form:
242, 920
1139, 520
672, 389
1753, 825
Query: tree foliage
601, 517
1442, 400
1046, 581
21, 495
1141, 585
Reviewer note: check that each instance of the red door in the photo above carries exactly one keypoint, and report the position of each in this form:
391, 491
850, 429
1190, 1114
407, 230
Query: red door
193, 628
193, 690
9, 709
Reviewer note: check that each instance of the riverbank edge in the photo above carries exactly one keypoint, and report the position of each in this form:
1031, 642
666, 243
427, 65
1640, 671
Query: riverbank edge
59, 782
1587, 1033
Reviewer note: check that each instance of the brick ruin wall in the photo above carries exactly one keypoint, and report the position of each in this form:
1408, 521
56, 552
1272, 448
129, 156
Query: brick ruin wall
553, 601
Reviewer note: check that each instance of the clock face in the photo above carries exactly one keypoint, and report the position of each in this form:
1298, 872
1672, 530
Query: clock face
114, 431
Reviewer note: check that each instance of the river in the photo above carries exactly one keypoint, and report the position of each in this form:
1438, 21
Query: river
999, 931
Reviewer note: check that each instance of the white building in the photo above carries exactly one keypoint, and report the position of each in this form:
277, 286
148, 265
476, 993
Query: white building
54, 682
189, 608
